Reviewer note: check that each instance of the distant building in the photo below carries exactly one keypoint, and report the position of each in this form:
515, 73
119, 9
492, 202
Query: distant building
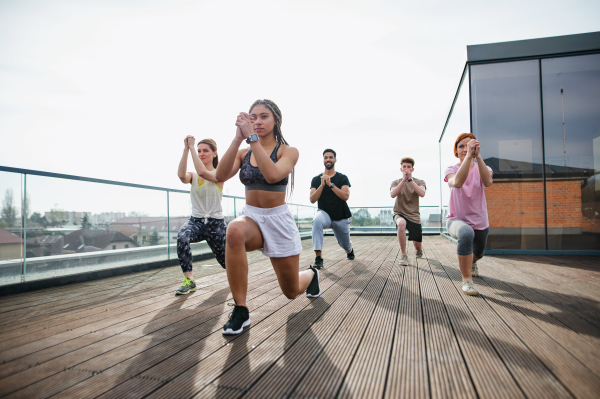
96, 240
10, 245
105, 218
144, 225
46, 245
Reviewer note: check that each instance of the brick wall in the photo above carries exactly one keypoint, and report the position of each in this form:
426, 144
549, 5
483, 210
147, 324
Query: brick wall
521, 204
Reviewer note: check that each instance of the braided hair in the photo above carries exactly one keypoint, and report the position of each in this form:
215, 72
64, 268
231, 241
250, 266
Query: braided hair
277, 129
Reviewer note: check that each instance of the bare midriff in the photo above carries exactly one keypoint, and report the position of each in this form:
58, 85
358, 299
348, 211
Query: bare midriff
265, 199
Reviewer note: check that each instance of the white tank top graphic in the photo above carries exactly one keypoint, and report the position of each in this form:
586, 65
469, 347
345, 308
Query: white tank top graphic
206, 199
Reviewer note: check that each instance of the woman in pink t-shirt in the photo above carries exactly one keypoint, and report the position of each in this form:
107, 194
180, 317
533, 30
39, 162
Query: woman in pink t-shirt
467, 221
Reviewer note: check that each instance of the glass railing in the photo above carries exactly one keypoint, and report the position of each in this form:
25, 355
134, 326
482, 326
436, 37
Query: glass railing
380, 220
55, 225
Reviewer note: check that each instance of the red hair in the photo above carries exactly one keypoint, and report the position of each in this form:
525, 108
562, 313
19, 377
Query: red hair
460, 138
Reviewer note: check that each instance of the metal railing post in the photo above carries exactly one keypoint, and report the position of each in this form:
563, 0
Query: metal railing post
168, 228
24, 235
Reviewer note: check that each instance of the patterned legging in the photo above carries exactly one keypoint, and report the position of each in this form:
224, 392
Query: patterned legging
196, 230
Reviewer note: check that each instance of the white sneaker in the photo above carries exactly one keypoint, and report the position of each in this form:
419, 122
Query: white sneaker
403, 260
468, 287
419, 254
474, 270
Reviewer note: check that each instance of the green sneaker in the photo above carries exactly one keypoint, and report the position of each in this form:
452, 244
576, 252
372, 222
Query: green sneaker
187, 286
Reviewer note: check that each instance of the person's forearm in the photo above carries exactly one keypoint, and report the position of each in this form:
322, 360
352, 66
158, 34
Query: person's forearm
463, 172
486, 176
341, 193
396, 190
201, 169
314, 197
226, 162
268, 168
182, 169
419, 190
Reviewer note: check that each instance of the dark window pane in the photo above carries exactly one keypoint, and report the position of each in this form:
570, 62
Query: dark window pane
506, 118
571, 93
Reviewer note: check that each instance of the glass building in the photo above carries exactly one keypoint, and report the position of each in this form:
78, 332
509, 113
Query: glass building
535, 107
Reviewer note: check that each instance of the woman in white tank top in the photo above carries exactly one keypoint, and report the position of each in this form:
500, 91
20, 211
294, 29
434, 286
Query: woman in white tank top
206, 194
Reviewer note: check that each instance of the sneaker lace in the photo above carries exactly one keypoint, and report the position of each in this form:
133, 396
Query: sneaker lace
186, 281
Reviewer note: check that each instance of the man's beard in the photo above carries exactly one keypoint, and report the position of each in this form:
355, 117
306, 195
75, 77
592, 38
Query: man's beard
329, 166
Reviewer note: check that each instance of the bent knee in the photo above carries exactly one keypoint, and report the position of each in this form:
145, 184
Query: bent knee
466, 233
236, 234
289, 294
401, 223
182, 238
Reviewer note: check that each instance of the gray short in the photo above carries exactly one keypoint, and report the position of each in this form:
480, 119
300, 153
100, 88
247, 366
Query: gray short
278, 228
470, 241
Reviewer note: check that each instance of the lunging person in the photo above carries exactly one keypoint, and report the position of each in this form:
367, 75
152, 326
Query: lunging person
206, 222
407, 192
467, 220
331, 190
265, 221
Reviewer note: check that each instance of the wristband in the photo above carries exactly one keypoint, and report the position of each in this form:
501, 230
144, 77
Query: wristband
411, 179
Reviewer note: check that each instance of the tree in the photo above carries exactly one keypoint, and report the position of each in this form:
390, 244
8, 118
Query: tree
37, 217
57, 215
153, 239
362, 217
85, 222
9, 212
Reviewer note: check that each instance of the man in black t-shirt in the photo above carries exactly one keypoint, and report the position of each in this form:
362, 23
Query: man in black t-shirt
331, 189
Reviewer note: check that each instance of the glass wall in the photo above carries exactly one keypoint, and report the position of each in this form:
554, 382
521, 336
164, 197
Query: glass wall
459, 122
571, 98
506, 118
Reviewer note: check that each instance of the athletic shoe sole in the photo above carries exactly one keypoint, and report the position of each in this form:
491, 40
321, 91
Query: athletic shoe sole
319, 293
229, 331
184, 293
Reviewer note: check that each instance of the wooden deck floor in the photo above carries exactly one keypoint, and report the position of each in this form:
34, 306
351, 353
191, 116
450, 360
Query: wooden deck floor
378, 330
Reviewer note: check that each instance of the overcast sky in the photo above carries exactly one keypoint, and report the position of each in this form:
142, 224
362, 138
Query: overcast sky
109, 89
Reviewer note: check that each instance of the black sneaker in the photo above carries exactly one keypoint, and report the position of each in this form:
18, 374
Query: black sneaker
350, 255
187, 287
318, 262
314, 289
239, 318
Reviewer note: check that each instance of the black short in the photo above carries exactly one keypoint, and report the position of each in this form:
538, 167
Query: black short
415, 233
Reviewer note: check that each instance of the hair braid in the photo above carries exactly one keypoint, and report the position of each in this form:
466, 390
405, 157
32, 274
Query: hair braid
277, 129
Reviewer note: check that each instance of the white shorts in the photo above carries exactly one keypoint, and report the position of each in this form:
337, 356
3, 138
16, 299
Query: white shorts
278, 228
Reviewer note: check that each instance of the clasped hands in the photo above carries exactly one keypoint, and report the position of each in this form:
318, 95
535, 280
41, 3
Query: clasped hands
189, 142
245, 126
473, 148
326, 180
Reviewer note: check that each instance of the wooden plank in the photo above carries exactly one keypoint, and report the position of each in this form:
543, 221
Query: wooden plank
284, 375
153, 354
103, 346
533, 378
298, 312
407, 376
326, 374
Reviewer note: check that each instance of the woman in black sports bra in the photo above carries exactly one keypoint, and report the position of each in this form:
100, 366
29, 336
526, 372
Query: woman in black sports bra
265, 222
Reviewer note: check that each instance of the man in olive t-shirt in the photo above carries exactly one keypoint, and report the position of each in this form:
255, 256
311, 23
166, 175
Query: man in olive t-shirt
331, 189
407, 192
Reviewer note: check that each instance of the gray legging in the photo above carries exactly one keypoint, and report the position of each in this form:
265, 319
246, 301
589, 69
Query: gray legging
470, 241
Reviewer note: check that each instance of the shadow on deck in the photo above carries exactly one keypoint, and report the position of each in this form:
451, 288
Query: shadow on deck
378, 330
